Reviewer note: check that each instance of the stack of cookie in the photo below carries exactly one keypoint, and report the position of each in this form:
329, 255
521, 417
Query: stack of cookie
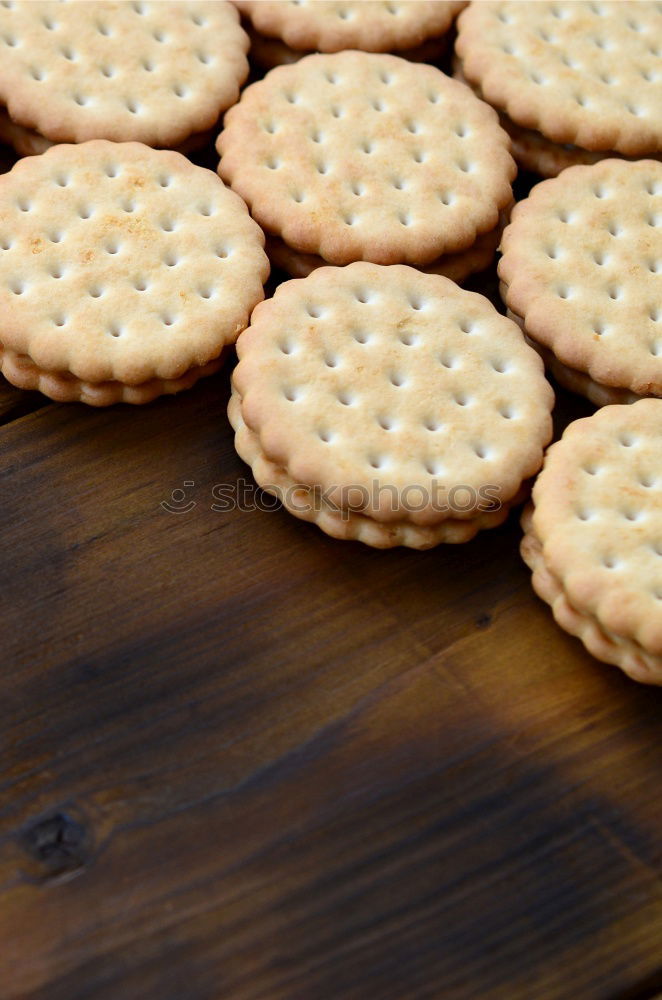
358, 156
581, 272
574, 82
125, 272
389, 406
593, 536
282, 32
158, 73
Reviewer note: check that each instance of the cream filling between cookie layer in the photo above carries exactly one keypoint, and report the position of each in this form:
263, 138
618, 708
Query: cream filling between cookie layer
269, 52
27, 142
456, 266
21, 371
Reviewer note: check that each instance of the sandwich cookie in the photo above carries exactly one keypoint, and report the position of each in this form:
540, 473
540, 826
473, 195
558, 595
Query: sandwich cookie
356, 156
389, 406
581, 271
282, 32
574, 81
593, 536
155, 72
124, 272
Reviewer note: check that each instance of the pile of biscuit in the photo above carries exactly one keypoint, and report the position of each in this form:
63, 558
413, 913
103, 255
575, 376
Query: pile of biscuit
374, 396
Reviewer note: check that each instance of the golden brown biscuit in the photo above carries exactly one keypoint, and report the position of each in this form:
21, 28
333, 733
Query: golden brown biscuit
396, 397
593, 536
124, 271
357, 156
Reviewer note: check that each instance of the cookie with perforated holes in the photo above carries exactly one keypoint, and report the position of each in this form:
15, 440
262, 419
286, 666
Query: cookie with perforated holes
389, 406
581, 271
147, 71
282, 32
124, 272
357, 156
593, 535
574, 81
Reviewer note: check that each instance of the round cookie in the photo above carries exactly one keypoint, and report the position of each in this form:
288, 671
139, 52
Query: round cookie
407, 406
582, 73
356, 156
124, 272
369, 25
152, 72
593, 536
582, 266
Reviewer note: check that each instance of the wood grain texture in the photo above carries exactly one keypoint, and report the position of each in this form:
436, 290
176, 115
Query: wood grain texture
241, 761
294, 768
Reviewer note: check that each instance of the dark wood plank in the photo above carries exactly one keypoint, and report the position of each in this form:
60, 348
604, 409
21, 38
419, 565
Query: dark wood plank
15, 403
243, 761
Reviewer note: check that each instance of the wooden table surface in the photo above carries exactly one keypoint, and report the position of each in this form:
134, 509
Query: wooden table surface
241, 761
